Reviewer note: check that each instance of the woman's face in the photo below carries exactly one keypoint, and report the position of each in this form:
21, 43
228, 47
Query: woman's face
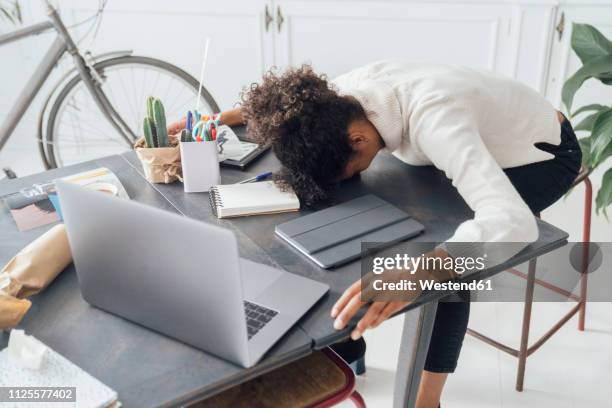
366, 142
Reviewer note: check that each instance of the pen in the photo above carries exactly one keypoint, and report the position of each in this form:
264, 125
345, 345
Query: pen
259, 177
189, 122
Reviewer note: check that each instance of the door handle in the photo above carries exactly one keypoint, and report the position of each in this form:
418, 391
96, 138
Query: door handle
279, 19
561, 26
267, 18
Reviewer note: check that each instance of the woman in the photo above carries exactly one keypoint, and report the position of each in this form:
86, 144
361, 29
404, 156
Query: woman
509, 153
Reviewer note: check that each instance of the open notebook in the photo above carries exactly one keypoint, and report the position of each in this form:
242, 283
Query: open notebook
235, 200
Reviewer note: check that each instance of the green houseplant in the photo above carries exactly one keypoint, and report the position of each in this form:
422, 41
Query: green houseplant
595, 53
154, 124
158, 152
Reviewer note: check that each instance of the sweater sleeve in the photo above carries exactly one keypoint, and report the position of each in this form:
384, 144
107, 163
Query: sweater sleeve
446, 131
351, 79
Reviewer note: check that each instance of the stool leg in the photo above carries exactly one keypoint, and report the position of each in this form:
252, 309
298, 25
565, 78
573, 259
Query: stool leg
358, 366
586, 239
522, 356
357, 400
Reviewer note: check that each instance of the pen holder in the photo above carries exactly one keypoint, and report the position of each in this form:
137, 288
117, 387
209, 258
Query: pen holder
200, 166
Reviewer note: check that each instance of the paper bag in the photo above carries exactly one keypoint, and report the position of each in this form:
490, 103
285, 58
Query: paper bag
31, 270
160, 164
12, 310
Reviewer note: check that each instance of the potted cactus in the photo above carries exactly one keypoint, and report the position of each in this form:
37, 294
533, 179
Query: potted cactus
158, 152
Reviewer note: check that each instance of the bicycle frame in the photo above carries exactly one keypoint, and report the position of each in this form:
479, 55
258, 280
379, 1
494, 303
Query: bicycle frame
63, 43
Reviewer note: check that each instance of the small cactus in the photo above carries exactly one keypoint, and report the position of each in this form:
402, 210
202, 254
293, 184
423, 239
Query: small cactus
186, 136
159, 115
154, 124
150, 101
148, 127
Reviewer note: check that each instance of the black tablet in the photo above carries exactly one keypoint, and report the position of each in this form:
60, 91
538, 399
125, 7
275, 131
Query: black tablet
251, 150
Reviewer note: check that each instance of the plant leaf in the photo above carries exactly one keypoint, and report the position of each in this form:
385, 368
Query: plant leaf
586, 123
593, 68
587, 108
588, 43
585, 147
601, 135
607, 153
604, 195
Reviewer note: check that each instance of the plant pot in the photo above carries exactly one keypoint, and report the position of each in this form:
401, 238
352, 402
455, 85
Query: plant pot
160, 164
200, 164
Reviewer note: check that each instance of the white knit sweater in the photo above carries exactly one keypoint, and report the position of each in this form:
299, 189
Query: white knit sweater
468, 123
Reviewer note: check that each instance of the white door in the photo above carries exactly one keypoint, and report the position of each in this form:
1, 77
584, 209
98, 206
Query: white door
563, 64
174, 31
564, 61
336, 36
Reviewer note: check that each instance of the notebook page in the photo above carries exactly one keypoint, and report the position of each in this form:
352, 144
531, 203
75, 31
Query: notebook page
254, 198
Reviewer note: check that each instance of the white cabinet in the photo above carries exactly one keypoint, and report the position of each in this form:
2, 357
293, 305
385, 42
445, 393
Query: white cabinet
336, 36
251, 36
564, 62
240, 47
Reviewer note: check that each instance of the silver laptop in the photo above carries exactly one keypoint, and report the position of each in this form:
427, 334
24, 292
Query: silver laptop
179, 276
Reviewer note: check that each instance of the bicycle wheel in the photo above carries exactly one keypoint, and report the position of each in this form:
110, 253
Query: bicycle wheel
78, 131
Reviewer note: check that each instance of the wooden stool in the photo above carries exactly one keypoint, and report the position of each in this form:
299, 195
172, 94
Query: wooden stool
319, 380
525, 350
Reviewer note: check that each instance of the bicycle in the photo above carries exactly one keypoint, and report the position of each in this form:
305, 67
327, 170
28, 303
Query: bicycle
96, 108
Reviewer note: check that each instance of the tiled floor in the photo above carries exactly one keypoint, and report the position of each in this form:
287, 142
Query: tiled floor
570, 370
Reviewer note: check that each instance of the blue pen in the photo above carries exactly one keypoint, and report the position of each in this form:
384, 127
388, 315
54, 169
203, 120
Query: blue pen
259, 177
189, 124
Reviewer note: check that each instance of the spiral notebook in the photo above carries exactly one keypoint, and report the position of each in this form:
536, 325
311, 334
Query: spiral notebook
236, 200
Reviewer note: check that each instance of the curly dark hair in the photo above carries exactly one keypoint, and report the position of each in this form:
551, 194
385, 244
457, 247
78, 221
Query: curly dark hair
305, 121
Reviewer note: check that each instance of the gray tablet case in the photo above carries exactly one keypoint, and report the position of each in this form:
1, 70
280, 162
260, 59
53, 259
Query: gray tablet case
333, 236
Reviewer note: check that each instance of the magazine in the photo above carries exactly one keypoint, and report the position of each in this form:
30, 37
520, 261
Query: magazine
38, 205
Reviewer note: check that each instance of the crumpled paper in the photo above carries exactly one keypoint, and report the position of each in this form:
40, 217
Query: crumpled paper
30, 271
12, 310
160, 164
26, 351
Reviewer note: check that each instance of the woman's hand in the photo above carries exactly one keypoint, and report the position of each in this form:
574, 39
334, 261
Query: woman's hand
351, 301
383, 302
176, 127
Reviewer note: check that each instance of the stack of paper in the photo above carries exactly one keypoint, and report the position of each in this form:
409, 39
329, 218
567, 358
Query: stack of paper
55, 371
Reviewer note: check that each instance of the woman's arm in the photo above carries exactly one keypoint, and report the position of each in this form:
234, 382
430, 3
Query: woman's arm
232, 117
445, 130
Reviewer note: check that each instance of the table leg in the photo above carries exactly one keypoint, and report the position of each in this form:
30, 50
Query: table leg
416, 333
523, 350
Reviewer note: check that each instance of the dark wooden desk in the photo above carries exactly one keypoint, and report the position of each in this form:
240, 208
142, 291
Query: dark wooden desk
148, 369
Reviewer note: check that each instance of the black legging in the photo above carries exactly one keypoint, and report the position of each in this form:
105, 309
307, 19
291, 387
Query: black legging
540, 185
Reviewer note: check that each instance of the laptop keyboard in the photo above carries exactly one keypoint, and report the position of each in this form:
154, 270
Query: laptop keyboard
257, 317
